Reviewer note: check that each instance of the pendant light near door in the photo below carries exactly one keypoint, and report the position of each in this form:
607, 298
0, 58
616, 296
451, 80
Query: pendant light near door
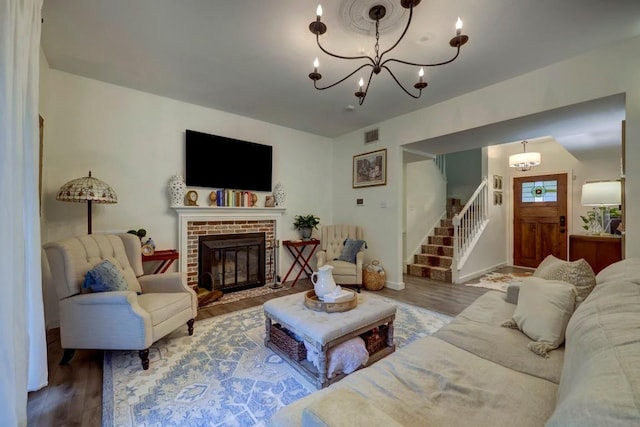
525, 160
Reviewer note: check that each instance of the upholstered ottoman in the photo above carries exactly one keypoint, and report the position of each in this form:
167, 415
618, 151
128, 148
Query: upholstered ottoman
324, 331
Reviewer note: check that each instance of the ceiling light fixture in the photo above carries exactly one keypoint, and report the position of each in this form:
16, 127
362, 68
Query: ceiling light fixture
525, 160
376, 13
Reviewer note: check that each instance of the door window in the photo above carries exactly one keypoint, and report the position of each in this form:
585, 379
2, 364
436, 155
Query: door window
540, 191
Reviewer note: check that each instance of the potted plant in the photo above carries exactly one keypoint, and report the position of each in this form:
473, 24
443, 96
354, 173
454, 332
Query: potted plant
306, 224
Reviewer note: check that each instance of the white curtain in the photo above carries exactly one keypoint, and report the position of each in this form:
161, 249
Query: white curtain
23, 351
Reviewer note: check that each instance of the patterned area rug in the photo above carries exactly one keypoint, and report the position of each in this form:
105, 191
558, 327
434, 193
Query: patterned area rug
499, 281
247, 293
221, 376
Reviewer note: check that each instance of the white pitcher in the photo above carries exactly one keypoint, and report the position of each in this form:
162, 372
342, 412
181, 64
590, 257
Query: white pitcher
323, 282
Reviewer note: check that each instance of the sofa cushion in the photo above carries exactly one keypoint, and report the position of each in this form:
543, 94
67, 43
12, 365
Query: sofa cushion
579, 273
600, 382
477, 330
543, 311
105, 277
431, 382
345, 407
350, 250
627, 270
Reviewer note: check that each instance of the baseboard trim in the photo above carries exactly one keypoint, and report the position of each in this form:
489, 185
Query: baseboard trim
480, 273
396, 286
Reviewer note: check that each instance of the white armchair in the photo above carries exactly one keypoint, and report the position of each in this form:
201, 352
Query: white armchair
332, 242
153, 306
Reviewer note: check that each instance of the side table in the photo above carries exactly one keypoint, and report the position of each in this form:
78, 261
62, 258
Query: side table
166, 258
296, 249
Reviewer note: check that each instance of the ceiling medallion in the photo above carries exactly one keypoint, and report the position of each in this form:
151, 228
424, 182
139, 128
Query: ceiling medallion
354, 16
377, 64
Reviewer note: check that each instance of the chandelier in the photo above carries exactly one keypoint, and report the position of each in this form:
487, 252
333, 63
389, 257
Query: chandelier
377, 64
525, 160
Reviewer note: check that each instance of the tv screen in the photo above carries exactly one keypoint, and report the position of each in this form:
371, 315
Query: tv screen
219, 162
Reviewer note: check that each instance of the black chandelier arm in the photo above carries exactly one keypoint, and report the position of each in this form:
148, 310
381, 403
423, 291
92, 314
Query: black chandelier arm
423, 65
343, 79
340, 56
406, 28
400, 84
366, 90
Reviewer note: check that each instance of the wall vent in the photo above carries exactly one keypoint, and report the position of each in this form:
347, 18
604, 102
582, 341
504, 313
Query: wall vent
371, 136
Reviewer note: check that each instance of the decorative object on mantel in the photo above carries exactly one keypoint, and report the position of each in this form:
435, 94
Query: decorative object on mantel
279, 194
213, 197
269, 202
359, 22
192, 198
525, 160
87, 190
177, 190
306, 224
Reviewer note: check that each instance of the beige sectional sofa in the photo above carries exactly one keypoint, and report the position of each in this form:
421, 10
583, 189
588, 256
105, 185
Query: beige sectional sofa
476, 372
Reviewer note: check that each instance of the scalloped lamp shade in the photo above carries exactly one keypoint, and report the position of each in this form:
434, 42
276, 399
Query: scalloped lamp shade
87, 190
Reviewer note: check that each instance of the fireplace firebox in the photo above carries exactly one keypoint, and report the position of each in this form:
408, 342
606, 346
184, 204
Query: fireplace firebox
231, 262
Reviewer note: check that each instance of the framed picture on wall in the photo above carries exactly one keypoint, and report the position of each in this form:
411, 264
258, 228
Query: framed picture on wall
497, 182
370, 169
497, 197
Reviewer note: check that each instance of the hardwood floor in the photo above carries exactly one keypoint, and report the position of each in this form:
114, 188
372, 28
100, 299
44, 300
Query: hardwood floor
74, 394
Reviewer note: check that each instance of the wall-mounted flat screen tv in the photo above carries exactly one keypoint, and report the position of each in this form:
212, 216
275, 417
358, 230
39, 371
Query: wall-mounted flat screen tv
220, 162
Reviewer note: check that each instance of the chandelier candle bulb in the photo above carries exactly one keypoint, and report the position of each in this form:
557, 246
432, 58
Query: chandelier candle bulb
458, 26
319, 12
421, 74
316, 64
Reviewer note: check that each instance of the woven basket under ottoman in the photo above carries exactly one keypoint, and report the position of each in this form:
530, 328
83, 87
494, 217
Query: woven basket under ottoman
287, 342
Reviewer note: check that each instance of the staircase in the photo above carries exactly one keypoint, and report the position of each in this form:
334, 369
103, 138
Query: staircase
437, 256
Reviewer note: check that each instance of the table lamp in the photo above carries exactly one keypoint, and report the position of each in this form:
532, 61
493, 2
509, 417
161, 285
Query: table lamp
87, 190
601, 194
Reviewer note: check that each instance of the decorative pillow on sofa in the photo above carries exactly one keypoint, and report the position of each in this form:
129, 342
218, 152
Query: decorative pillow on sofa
350, 250
105, 277
578, 273
543, 311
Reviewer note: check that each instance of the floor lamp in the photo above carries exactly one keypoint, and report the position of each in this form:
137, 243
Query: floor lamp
87, 190
601, 194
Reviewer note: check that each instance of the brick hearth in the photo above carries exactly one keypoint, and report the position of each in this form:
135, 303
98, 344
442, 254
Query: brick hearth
201, 221
208, 228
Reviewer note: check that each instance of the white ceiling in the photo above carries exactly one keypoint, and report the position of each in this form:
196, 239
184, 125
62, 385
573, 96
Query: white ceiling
253, 57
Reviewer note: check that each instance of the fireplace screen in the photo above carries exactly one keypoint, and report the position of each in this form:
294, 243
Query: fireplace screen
231, 262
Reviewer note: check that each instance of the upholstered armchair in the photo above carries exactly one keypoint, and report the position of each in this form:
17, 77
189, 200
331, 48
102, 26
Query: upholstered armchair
133, 319
332, 243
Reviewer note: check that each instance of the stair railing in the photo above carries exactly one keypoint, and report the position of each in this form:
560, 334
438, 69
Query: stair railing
468, 225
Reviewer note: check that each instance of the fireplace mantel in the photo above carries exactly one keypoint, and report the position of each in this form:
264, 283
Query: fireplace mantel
228, 212
187, 214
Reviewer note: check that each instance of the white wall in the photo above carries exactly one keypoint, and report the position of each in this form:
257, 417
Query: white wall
135, 142
425, 199
613, 68
491, 250
464, 173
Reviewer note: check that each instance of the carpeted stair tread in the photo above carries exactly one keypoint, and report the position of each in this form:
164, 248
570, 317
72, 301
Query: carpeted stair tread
433, 260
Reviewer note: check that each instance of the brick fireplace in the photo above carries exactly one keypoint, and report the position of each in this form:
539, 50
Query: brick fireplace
196, 222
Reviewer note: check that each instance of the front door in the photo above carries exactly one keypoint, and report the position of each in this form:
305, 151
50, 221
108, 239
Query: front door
540, 218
